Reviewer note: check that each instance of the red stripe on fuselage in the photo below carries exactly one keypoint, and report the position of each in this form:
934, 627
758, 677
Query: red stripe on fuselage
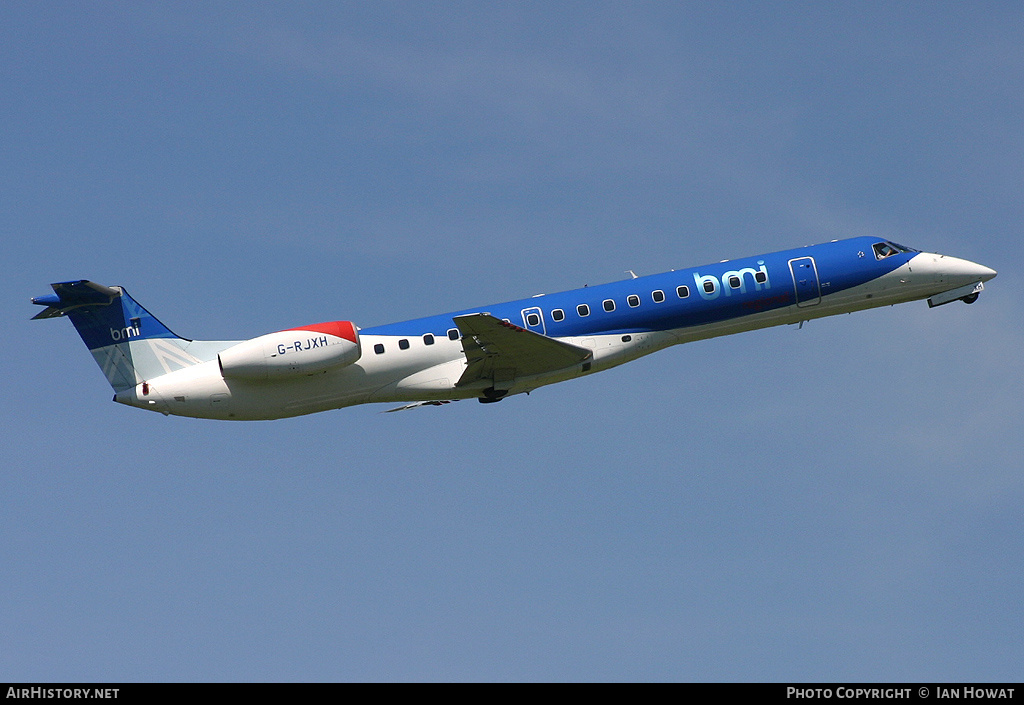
341, 329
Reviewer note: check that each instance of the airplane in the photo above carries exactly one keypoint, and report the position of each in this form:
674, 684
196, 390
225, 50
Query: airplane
494, 351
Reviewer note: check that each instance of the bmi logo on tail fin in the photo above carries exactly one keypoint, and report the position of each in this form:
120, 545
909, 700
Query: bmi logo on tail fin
128, 343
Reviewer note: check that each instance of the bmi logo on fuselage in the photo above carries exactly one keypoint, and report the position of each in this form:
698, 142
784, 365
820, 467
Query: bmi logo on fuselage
711, 287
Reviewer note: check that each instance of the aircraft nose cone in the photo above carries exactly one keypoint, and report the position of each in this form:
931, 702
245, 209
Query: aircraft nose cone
965, 269
986, 272
956, 270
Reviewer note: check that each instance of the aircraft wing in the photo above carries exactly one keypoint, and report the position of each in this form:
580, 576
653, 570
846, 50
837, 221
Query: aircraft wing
418, 404
500, 351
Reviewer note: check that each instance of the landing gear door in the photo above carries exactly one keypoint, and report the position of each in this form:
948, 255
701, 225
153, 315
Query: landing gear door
805, 281
533, 319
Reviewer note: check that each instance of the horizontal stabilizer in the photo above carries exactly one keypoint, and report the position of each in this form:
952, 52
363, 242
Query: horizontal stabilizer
69, 295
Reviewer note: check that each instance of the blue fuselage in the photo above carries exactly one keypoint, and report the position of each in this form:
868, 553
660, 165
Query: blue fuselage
686, 298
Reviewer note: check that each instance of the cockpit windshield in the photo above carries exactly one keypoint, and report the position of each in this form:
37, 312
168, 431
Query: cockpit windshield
888, 249
902, 248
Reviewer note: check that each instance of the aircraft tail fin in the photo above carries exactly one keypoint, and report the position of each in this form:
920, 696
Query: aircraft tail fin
128, 343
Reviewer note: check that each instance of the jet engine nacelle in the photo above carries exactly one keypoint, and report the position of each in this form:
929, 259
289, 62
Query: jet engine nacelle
291, 353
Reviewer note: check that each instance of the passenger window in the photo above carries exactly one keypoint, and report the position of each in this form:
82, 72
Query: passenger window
453, 334
682, 291
558, 315
608, 305
403, 344
428, 339
379, 348
735, 282
532, 319
709, 286
658, 296
760, 277
583, 310
633, 300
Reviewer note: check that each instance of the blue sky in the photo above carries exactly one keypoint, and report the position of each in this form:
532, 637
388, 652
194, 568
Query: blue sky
840, 502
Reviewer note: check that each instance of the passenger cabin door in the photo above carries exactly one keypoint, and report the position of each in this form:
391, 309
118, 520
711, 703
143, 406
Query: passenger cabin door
805, 281
533, 319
